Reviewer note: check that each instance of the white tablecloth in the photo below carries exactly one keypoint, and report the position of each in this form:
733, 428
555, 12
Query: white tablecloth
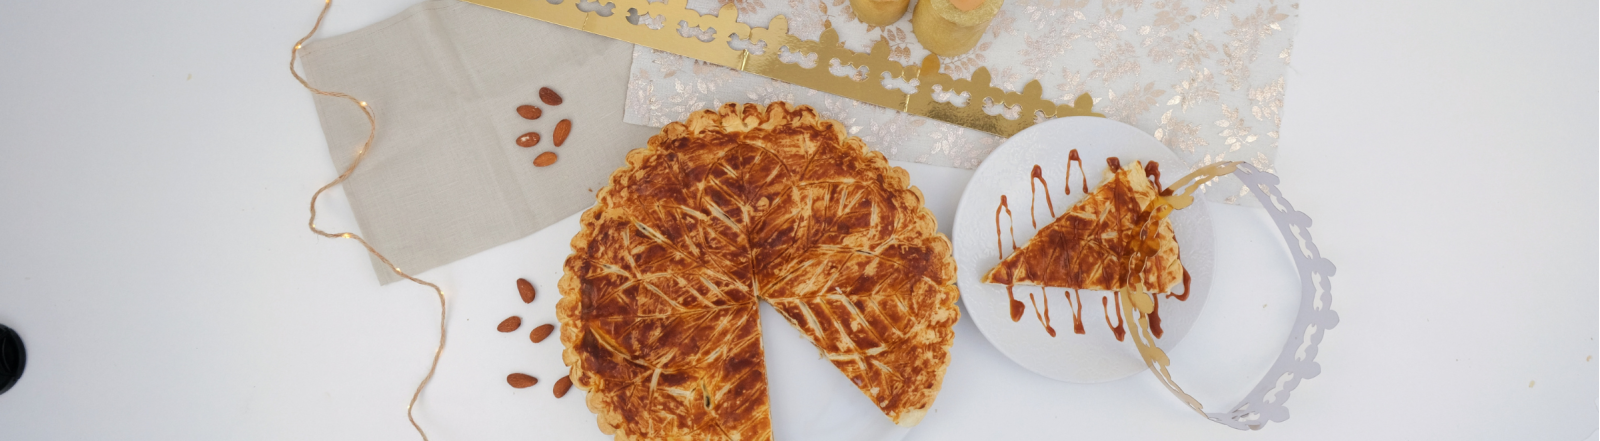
156, 159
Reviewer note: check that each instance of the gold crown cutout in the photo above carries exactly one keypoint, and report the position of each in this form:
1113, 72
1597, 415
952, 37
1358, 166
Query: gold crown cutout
771, 52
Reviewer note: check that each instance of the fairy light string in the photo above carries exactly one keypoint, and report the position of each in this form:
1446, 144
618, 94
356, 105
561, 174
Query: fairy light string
361, 153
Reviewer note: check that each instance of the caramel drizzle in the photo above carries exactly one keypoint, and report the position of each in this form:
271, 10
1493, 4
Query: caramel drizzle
1147, 321
1152, 171
1016, 307
1033, 198
1117, 329
1185, 295
1142, 240
1045, 319
998, 238
1077, 311
1073, 156
1155, 316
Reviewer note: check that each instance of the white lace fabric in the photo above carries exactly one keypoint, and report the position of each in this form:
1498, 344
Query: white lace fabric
1205, 77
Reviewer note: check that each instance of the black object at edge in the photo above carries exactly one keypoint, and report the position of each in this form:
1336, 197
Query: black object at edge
13, 357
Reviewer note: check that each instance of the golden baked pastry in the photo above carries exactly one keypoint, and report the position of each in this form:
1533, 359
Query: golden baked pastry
1092, 245
658, 302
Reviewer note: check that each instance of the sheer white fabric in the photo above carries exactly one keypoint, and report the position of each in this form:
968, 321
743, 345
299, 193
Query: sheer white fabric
1205, 77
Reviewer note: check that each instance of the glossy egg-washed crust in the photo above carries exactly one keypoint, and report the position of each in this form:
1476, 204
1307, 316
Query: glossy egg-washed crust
1091, 245
658, 302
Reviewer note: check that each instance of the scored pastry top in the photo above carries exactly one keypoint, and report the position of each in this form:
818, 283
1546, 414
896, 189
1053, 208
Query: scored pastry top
1091, 246
658, 309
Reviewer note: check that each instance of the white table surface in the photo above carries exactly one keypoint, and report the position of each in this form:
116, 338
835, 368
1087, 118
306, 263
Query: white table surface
156, 160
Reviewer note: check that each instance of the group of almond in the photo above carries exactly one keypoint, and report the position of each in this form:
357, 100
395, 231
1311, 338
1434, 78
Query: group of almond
525, 288
530, 139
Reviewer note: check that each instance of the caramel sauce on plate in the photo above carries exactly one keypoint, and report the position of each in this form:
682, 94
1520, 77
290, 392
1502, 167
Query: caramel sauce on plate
1033, 195
1119, 330
1017, 308
1073, 156
1077, 311
998, 243
1185, 295
1152, 170
1155, 316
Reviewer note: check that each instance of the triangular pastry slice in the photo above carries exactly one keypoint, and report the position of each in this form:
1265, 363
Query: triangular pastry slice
1091, 245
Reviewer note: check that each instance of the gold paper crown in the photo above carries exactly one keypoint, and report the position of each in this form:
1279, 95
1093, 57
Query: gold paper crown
771, 52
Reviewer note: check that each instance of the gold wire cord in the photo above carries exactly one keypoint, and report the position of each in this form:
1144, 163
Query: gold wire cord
372, 131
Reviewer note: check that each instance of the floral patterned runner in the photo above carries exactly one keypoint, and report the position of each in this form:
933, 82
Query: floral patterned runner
1205, 77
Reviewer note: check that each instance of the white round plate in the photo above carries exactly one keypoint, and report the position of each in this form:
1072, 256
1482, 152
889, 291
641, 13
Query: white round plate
1095, 356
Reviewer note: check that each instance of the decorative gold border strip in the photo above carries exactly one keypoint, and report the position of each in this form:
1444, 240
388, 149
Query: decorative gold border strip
772, 52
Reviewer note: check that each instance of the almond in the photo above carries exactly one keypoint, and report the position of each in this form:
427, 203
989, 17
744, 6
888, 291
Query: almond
544, 159
562, 385
563, 129
541, 332
529, 139
525, 288
549, 96
529, 112
510, 324
520, 381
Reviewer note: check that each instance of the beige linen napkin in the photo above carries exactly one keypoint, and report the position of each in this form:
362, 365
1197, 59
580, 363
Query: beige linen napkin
445, 178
